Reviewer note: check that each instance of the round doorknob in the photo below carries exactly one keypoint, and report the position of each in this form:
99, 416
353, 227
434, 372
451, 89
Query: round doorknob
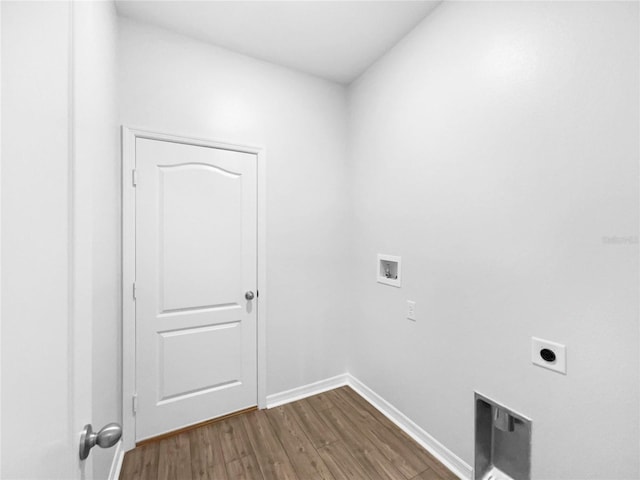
107, 437
249, 295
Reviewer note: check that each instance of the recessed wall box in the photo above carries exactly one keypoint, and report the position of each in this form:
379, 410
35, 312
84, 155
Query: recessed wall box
503, 442
388, 270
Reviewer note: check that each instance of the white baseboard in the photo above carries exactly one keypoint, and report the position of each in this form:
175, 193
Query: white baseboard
116, 464
433, 446
299, 393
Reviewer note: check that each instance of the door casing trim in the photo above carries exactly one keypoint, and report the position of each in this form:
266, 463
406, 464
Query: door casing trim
129, 136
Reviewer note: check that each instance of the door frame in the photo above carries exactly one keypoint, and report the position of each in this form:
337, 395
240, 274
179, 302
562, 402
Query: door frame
129, 136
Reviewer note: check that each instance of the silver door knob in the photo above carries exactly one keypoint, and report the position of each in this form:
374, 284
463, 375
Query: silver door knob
249, 295
107, 437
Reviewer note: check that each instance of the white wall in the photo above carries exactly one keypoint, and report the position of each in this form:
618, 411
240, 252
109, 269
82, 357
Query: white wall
37, 369
98, 157
493, 149
59, 130
177, 85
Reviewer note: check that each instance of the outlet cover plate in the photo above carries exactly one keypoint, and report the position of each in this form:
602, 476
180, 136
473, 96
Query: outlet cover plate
560, 351
411, 310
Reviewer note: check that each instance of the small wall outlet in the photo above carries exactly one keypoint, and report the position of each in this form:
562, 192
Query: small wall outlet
411, 310
388, 270
547, 354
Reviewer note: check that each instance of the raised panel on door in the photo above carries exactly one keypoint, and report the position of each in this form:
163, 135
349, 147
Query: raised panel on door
195, 259
199, 257
219, 345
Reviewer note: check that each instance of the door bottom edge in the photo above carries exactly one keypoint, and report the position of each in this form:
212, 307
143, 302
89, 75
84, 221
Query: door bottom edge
173, 433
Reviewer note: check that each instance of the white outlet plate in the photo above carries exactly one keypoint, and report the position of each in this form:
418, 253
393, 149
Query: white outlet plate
411, 310
560, 362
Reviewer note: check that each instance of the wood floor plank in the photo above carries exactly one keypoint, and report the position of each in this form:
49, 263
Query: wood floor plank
207, 461
131, 465
150, 463
245, 468
374, 463
167, 459
184, 457
174, 458
313, 425
361, 404
234, 439
321, 401
141, 463
272, 459
341, 463
428, 474
398, 451
305, 459
443, 472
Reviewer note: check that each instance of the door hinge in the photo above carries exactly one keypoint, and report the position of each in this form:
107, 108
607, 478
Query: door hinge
134, 291
134, 403
134, 177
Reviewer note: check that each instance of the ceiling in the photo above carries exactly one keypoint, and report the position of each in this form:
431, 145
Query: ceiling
336, 40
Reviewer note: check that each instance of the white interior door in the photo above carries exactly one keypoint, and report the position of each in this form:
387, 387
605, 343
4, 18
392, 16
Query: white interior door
196, 258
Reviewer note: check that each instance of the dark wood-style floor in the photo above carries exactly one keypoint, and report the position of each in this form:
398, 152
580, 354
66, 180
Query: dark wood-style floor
331, 436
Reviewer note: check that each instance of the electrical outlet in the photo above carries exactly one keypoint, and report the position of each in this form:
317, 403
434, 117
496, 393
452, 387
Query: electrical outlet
547, 354
411, 310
